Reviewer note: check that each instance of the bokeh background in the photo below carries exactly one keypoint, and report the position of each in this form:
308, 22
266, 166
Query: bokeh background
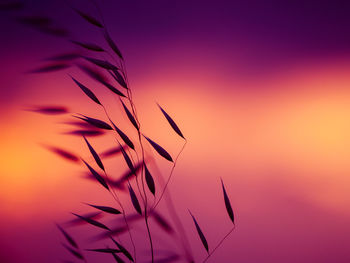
259, 88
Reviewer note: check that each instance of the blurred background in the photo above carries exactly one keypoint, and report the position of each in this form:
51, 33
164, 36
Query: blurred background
259, 88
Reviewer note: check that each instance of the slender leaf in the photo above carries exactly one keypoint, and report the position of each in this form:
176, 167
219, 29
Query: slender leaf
97, 176
95, 155
86, 133
128, 160
227, 203
104, 250
79, 221
123, 250
92, 222
88, 46
149, 181
113, 89
106, 209
74, 252
98, 76
162, 222
89, 18
134, 200
112, 45
130, 116
67, 236
168, 259
50, 68
63, 153
171, 122
64, 56
119, 78
95, 122
101, 63
162, 152
93, 73
87, 91
122, 135
111, 152
114, 231
117, 258
200, 233
126, 176
49, 110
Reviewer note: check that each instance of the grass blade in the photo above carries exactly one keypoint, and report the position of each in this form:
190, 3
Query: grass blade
67, 236
94, 154
73, 252
162, 222
117, 258
92, 222
114, 231
200, 233
87, 91
228, 203
104, 250
63, 153
86, 133
93, 73
89, 18
119, 78
162, 152
123, 250
98, 76
79, 221
113, 89
112, 45
97, 176
64, 57
130, 116
122, 135
88, 46
134, 200
149, 181
95, 122
128, 160
106, 209
126, 176
101, 63
49, 110
111, 152
50, 68
171, 122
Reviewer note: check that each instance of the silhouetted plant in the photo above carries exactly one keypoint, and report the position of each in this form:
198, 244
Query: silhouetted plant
138, 179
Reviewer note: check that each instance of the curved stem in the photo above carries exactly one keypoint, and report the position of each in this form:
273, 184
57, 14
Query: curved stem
133, 108
219, 244
170, 175
115, 196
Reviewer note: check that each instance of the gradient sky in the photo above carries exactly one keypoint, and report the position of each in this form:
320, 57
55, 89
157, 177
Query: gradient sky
259, 88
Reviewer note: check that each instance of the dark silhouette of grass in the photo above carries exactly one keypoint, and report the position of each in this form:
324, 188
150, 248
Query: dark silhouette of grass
132, 152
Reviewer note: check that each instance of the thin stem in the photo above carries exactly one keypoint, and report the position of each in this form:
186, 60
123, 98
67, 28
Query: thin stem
115, 196
178, 224
219, 244
170, 175
133, 108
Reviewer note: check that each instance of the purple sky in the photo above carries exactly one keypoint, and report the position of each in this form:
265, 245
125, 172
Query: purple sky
246, 41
